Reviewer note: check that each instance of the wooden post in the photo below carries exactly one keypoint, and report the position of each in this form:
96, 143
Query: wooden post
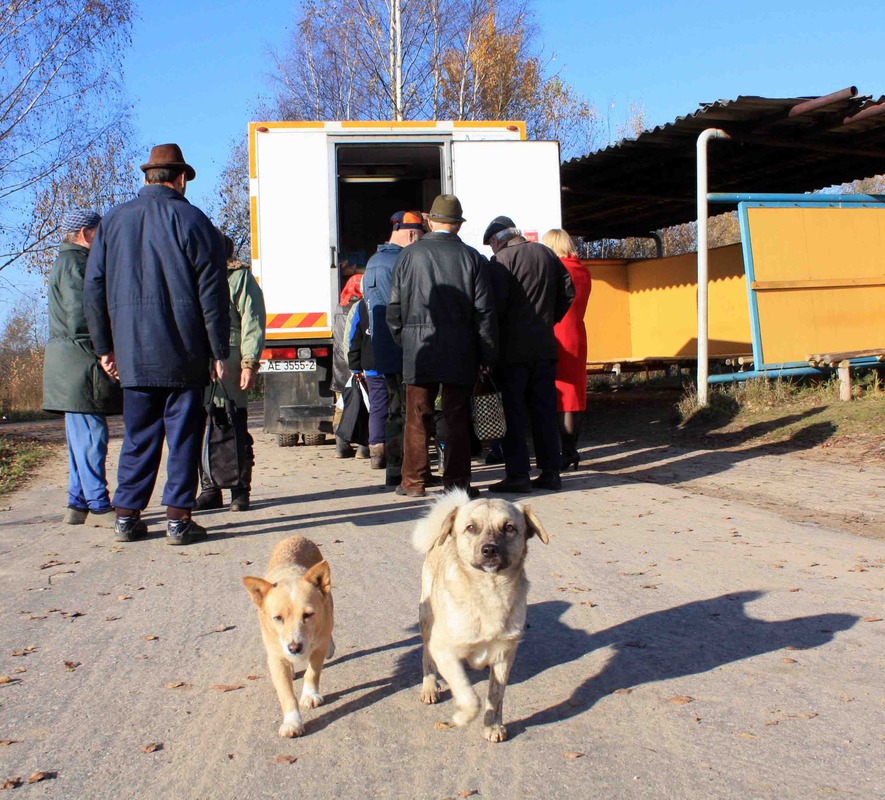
845, 380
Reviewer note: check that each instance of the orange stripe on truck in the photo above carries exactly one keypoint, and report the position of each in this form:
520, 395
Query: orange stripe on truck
309, 320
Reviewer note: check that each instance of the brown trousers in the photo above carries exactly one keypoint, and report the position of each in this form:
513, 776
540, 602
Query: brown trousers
420, 399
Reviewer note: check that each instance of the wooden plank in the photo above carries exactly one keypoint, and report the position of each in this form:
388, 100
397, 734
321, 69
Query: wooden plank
819, 283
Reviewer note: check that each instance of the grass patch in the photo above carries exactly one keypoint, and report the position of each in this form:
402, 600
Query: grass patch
18, 458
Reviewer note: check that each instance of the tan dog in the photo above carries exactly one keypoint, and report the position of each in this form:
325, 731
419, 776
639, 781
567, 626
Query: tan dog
473, 598
294, 602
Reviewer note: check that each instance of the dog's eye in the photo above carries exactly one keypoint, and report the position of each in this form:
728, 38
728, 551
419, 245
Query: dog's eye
470, 528
278, 618
510, 528
307, 615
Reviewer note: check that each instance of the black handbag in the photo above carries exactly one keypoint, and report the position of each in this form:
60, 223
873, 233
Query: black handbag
221, 445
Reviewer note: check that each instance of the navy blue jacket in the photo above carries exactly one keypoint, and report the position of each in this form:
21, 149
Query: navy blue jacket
376, 291
156, 291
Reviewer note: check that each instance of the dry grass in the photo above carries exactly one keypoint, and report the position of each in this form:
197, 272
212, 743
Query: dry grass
18, 458
21, 391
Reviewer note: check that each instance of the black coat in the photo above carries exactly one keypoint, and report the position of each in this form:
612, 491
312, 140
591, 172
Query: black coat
156, 291
532, 296
441, 311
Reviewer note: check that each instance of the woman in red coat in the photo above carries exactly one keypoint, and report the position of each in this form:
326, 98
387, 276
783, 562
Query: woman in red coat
571, 338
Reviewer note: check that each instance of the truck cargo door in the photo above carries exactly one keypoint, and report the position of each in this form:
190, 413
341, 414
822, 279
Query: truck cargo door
516, 179
294, 253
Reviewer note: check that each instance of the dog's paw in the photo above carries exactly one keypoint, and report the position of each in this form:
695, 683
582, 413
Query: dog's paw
494, 733
289, 730
429, 690
466, 714
311, 699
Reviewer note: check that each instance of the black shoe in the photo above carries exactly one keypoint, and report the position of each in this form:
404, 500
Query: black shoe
402, 492
184, 531
433, 480
129, 529
493, 458
75, 516
511, 486
550, 481
239, 500
208, 499
362, 451
343, 448
393, 480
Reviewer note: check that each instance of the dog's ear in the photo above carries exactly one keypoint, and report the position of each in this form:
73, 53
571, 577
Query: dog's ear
257, 588
320, 576
446, 528
534, 525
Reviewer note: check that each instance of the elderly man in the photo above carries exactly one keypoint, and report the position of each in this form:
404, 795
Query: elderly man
156, 300
534, 294
386, 389
73, 382
442, 313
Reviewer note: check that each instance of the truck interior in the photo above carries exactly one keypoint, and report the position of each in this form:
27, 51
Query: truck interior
374, 182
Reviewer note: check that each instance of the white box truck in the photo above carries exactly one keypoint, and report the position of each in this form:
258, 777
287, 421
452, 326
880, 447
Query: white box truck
321, 197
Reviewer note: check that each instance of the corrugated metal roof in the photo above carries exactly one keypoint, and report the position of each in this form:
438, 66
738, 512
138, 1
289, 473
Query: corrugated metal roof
792, 144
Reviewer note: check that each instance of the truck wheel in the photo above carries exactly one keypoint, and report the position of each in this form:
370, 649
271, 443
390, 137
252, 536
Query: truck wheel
287, 439
313, 439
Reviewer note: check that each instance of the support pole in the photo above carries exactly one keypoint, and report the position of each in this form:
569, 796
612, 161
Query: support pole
703, 255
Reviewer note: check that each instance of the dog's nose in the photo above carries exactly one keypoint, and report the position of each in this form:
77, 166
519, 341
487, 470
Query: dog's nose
294, 648
489, 550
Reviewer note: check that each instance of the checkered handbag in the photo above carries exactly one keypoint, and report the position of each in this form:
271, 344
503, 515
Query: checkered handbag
487, 410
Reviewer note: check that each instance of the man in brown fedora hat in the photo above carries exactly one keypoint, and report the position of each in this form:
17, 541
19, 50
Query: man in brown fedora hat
442, 313
156, 301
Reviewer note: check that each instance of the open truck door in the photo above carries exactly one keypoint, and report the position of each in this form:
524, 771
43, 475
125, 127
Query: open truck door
517, 179
293, 257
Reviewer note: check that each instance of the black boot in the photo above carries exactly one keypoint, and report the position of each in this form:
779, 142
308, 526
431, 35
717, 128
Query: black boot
209, 499
239, 496
239, 500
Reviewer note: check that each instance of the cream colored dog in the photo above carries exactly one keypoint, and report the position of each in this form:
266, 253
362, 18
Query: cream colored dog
473, 598
294, 601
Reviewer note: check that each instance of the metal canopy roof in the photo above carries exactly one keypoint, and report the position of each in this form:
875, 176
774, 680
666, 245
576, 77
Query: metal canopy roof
785, 145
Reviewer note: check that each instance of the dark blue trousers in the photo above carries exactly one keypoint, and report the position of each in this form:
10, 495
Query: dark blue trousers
151, 414
529, 395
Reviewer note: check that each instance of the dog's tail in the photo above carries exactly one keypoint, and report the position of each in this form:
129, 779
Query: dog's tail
429, 529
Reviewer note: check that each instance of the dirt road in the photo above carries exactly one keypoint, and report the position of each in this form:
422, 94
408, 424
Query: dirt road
702, 625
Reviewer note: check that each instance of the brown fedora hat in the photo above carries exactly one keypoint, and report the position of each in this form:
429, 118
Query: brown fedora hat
169, 156
446, 208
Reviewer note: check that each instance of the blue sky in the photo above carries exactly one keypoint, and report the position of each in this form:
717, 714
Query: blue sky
195, 78
669, 55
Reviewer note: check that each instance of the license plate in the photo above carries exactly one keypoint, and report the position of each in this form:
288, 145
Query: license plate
289, 365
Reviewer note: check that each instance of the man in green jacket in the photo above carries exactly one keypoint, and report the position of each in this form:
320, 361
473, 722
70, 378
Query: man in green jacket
247, 325
74, 382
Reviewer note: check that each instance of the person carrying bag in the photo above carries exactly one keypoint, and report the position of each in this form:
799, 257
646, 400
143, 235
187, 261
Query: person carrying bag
222, 449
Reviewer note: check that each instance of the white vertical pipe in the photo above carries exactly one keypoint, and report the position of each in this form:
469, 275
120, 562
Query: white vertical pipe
703, 270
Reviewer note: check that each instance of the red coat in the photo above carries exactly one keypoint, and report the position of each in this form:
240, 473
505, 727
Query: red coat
571, 341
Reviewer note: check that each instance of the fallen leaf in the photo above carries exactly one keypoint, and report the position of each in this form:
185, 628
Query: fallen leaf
681, 699
777, 566
794, 589
176, 685
53, 563
468, 793
253, 677
36, 777
110, 619
588, 603
338, 541
230, 756
793, 647
807, 715
72, 614
152, 747
576, 553
871, 619
150, 638
745, 735
70, 666
23, 652
124, 597
443, 726
245, 563
573, 755
640, 645
223, 628
622, 691
19, 670
8, 679
37, 617
7, 742
789, 661
285, 759
226, 687
11, 783
649, 586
